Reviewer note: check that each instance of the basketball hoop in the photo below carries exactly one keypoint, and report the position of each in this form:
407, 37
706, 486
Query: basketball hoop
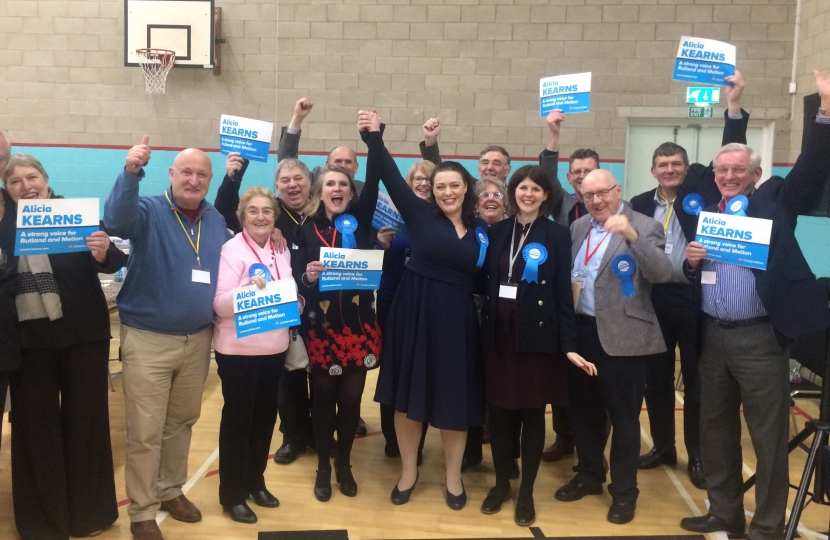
156, 64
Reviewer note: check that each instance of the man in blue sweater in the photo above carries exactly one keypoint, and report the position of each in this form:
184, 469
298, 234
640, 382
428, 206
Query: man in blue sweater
166, 309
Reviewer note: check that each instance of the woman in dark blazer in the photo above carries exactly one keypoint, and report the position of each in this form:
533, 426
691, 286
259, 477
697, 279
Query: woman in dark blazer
528, 328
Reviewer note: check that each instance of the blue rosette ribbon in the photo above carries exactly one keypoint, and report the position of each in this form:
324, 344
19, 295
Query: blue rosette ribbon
259, 269
737, 206
534, 254
623, 267
693, 204
347, 225
483, 242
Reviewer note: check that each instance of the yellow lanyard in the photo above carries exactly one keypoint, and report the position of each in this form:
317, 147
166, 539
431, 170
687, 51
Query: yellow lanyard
189, 239
667, 217
302, 217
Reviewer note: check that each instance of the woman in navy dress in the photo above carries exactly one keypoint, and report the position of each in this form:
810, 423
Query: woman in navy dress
430, 371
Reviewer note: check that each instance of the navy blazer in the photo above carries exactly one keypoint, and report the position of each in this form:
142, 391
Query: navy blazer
788, 289
546, 319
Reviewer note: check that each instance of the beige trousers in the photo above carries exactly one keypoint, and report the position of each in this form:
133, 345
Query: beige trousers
163, 377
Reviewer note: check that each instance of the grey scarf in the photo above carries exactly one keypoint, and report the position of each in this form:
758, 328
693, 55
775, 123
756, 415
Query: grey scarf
37, 294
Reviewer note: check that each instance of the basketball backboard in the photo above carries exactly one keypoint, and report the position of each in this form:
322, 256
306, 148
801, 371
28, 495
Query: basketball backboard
183, 26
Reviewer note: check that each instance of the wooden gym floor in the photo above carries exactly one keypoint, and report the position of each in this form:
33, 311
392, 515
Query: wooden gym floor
666, 495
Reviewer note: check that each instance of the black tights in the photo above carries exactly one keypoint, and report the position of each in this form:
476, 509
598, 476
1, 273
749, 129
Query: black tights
336, 405
503, 423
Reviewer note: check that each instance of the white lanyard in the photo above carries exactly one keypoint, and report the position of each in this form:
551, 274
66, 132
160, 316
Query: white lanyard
512, 258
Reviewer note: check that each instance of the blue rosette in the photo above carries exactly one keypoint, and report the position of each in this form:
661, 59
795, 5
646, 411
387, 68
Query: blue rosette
693, 204
623, 267
259, 269
737, 206
534, 254
483, 242
347, 225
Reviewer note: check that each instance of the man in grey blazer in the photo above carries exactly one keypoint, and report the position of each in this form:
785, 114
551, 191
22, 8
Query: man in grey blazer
618, 253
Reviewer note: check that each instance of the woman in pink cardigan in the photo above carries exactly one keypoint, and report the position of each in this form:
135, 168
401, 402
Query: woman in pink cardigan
250, 366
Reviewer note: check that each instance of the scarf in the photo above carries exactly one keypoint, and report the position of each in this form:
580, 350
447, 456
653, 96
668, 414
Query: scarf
37, 295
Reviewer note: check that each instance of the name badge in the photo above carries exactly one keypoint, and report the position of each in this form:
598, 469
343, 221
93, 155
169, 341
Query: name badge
197, 275
708, 278
669, 248
508, 290
577, 282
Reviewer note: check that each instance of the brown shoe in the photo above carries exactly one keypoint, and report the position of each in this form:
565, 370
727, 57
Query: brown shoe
182, 509
557, 450
146, 530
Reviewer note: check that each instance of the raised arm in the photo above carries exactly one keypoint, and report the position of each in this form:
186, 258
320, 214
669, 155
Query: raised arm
124, 213
549, 159
367, 202
734, 127
429, 146
227, 197
289, 145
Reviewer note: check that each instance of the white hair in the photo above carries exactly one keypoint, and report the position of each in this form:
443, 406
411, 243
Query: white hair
754, 157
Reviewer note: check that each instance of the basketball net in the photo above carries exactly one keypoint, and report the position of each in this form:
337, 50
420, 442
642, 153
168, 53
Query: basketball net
156, 64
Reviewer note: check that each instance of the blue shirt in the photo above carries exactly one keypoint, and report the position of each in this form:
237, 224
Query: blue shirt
589, 271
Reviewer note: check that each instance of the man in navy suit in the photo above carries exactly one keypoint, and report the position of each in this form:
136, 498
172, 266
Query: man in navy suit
748, 319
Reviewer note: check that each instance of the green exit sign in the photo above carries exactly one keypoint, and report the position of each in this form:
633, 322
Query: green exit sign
700, 112
702, 94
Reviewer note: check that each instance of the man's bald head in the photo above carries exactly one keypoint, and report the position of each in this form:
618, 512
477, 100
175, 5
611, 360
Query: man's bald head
602, 194
190, 178
343, 156
5, 150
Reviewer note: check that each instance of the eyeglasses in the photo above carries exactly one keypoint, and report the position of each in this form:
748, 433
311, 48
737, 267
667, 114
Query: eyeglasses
254, 212
737, 171
601, 194
581, 172
420, 180
491, 195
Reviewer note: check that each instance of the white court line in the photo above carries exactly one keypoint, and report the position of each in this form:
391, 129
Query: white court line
192, 481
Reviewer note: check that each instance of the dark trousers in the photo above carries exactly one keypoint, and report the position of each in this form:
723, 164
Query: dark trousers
506, 426
562, 424
4, 384
616, 392
745, 366
250, 386
62, 472
676, 312
295, 408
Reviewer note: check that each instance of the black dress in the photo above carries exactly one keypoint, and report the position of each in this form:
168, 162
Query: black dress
340, 328
430, 367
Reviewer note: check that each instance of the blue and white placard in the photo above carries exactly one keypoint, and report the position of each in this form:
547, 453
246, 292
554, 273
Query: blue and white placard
50, 226
258, 310
348, 269
571, 93
251, 138
386, 215
735, 239
704, 61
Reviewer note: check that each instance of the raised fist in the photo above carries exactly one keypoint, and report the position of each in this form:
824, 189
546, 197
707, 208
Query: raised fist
431, 131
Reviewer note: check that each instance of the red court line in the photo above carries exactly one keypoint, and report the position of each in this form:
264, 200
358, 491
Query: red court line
800, 412
123, 503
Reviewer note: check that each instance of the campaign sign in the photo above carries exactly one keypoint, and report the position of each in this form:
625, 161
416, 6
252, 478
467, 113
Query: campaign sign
735, 239
348, 269
571, 93
258, 310
704, 61
251, 138
49, 226
386, 215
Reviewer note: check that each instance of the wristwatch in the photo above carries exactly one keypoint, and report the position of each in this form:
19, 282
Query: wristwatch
823, 112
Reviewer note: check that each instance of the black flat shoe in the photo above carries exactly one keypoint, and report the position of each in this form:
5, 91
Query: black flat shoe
457, 502
286, 454
241, 513
575, 490
696, 475
525, 512
513, 472
492, 503
265, 499
402, 497
710, 523
322, 486
468, 464
362, 430
621, 512
654, 458
343, 476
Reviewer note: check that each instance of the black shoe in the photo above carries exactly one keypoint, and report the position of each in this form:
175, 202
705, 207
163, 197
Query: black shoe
513, 472
654, 458
286, 454
265, 499
457, 502
322, 486
575, 490
558, 450
696, 474
497, 496
402, 497
344, 477
710, 523
241, 513
468, 463
525, 512
361, 428
392, 450
621, 511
